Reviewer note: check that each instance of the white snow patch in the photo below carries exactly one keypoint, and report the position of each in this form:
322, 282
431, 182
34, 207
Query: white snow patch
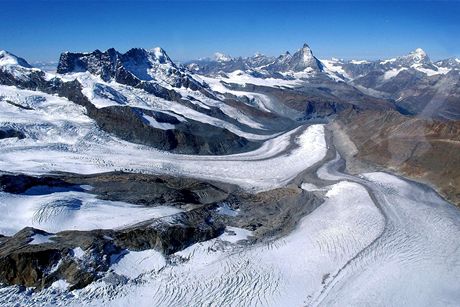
70, 211
359, 62
225, 209
78, 253
60, 284
220, 57
135, 263
41, 239
235, 234
156, 124
431, 72
388, 61
309, 187
241, 77
392, 73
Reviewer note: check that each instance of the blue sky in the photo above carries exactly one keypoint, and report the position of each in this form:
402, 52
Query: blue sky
41, 30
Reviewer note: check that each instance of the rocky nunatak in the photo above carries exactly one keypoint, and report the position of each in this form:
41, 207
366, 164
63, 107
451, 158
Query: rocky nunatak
35, 258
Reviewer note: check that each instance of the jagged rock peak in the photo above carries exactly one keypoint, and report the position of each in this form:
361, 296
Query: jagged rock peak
304, 59
307, 53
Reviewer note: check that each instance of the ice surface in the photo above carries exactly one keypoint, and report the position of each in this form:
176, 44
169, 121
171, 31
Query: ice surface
70, 211
156, 124
243, 78
60, 137
415, 262
40, 239
60, 284
78, 253
116, 94
397, 247
392, 73
235, 234
135, 263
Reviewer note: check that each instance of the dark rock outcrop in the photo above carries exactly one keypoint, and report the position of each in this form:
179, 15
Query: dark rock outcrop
11, 133
39, 264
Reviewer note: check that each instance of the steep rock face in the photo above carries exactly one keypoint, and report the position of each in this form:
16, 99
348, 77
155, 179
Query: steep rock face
34, 258
131, 68
140, 189
423, 149
7, 58
183, 137
129, 123
10, 133
302, 60
103, 64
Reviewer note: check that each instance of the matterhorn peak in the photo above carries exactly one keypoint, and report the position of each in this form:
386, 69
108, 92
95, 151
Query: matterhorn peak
307, 54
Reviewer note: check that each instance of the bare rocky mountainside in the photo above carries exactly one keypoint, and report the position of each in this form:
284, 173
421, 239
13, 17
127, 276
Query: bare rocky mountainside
126, 178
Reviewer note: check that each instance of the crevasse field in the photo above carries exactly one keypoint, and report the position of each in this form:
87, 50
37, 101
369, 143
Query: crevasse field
377, 238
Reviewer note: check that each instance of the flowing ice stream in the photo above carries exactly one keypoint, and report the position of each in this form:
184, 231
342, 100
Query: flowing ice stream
377, 239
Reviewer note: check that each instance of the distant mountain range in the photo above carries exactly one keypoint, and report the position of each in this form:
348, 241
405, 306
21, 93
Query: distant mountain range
252, 142
227, 96
411, 81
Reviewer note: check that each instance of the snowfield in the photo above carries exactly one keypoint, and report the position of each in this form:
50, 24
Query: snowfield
104, 94
60, 137
397, 246
70, 211
376, 240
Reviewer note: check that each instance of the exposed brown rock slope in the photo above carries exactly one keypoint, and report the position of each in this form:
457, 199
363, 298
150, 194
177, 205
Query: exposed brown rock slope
425, 150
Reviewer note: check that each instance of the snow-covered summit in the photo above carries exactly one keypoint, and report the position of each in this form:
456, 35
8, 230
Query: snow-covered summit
304, 59
160, 55
221, 57
307, 54
418, 54
7, 58
132, 67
